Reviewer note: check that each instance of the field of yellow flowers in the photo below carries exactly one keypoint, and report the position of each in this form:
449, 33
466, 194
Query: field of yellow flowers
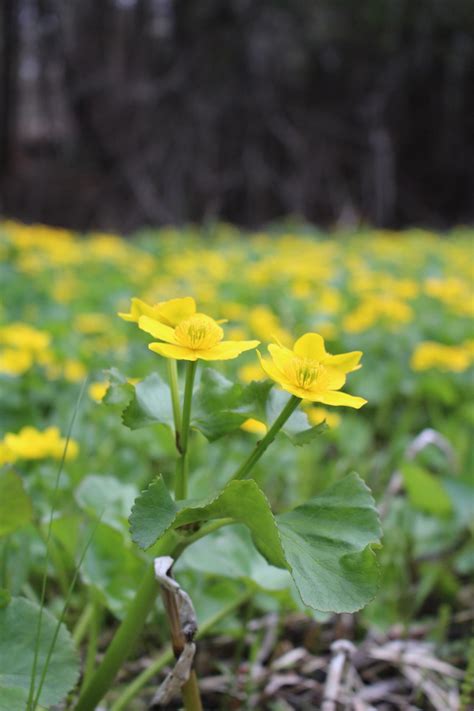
404, 299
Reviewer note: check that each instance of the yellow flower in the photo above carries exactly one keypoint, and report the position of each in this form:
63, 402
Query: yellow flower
196, 337
168, 312
310, 373
22, 335
74, 370
15, 362
254, 426
30, 443
430, 354
249, 372
317, 415
6, 455
96, 391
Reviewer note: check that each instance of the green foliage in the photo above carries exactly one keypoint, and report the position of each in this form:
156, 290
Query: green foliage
18, 625
328, 543
150, 404
322, 542
425, 491
15, 505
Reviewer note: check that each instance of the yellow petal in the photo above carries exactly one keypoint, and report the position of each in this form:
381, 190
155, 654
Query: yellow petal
226, 350
311, 345
282, 357
169, 350
126, 317
295, 390
157, 329
138, 308
175, 310
329, 379
342, 399
345, 362
270, 369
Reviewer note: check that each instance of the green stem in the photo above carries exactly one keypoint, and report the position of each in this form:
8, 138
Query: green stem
92, 641
173, 381
166, 657
83, 623
264, 443
181, 484
126, 635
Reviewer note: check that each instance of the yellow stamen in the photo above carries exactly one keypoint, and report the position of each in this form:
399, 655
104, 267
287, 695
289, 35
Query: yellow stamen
304, 372
198, 332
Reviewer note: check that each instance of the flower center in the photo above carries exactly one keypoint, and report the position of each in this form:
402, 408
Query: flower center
198, 332
305, 371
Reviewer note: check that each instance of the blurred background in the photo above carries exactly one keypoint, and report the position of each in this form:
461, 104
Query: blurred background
125, 113
303, 166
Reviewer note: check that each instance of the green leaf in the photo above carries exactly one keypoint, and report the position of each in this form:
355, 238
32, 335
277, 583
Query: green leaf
5, 597
297, 427
150, 404
246, 503
15, 505
327, 543
230, 553
153, 513
425, 492
218, 407
113, 567
18, 628
461, 495
106, 498
119, 392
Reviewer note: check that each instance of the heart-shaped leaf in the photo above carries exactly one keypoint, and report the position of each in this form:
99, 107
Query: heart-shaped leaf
154, 512
150, 404
327, 543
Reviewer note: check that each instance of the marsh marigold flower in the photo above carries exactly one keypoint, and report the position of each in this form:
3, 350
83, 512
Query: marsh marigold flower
187, 334
31, 443
196, 337
168, 312
310, 373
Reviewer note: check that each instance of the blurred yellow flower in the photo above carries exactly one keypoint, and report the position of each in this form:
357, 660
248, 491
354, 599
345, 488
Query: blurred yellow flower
317, 415
74, 371
430, 354
265, 325
22, 335
254, 426
249, 372
15, 361
310, 373
31, 443
6, 455
96, 391
194, 338
91, 323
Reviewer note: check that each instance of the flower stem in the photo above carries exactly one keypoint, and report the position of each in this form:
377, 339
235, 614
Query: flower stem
126, 635
173, 381
264, 443
166, 655
181, 484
